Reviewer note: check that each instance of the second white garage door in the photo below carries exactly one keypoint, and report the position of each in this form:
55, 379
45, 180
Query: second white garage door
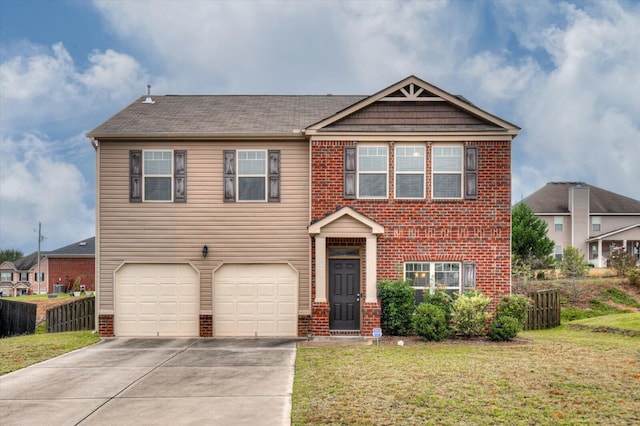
255, 300
157, 300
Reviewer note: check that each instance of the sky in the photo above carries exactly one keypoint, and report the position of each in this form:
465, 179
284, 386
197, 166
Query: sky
566, 72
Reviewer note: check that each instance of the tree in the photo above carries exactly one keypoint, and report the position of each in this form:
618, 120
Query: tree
573, 264
529, 241
10, 255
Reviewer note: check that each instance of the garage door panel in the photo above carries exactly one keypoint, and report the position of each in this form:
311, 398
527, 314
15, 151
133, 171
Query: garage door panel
157, 300
255, 299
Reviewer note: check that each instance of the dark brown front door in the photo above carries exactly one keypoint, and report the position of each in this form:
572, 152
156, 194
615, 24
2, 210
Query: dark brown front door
344, 294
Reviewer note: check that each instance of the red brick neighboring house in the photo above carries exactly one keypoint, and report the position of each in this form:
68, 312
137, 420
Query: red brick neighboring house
58, 267
233, 216
73, 262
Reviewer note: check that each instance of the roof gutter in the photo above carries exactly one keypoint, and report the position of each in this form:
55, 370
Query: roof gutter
294, 135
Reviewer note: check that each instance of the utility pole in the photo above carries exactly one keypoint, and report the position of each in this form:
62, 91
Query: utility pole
40, 238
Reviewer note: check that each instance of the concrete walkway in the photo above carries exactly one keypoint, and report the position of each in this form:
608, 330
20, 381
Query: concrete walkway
156, 382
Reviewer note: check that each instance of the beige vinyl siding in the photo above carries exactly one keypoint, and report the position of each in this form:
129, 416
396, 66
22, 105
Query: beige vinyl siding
346, 226
247, 232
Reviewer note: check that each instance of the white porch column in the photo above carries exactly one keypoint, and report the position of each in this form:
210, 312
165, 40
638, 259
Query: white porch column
372, 268
600, 257
321, 275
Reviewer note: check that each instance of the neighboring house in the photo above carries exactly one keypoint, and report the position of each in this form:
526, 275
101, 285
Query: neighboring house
73, 262
589, 218
20, 277
277, 215
59, 267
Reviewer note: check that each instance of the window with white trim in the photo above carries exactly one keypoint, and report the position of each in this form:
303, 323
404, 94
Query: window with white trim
372, 169
447, 171
558, 223
595, 223
558, 252
429, 276
157, 173
24, 276
252, 175
409, 170
6, 276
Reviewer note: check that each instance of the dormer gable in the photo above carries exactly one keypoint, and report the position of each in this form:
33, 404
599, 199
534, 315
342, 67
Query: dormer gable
415, 106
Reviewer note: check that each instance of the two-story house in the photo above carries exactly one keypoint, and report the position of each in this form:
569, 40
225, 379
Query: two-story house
20, 277
277, 215
591, 219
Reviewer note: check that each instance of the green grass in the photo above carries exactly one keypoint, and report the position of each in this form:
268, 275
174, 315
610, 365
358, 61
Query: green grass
42, 297
564, 376
623, 324
620, 297
21, 351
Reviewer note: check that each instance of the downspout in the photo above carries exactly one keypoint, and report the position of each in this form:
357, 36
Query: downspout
96, 259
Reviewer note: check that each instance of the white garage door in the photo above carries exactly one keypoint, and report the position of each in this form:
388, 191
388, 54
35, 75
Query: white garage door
255, 300
157, 300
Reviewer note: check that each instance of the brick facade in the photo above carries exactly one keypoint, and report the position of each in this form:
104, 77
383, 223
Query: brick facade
105, 325
66, 270
476, 230
206, 325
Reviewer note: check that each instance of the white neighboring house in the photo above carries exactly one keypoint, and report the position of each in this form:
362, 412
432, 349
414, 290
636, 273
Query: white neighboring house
589, 218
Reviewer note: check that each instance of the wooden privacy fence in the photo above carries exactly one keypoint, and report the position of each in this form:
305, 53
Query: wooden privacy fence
544, 310
74, 316
17, 318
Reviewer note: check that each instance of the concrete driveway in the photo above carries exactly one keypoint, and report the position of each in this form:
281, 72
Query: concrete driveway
155, 382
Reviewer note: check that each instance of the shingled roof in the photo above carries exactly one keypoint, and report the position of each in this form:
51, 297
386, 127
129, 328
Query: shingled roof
207, 115
553, 198
83, 248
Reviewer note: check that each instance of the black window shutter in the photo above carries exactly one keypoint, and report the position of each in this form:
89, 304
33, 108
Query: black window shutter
229, 176
471, 173
135, 176
274, 176
350, 172
180, 176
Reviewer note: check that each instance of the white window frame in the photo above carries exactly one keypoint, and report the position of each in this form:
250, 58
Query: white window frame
384, 172
427, 270
264, 176
412, 172
4, 275
596, 221
145, 175
558, 252
558, 223
434, 172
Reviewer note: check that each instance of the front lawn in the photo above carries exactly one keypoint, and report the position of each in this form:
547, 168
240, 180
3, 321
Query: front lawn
559, 376
21, 351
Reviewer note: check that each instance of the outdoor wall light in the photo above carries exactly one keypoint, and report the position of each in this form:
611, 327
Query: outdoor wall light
205, 250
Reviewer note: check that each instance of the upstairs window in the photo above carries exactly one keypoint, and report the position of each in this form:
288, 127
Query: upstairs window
6, 276
157, 176
558, 223
595, 223
157, 173
409, 169
251, 176
372, 171
447, 172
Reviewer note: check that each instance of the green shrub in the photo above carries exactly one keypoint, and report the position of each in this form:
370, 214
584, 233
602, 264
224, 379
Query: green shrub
504, 328
430, 322
398, 303
514, 306
469, 315
621, 261
634, 276
441, 299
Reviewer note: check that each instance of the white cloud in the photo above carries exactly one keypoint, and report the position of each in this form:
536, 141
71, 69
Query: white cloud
38, 186
582, 120
47, 171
